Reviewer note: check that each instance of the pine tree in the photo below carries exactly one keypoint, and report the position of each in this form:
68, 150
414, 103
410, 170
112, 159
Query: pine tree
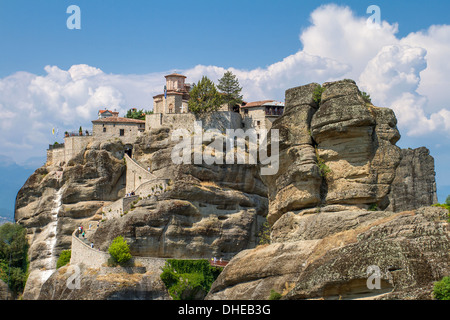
204, 97
229, 86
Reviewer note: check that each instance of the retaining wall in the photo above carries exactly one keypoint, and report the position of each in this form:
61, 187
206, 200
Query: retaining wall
93, 258
220, 120
136, 175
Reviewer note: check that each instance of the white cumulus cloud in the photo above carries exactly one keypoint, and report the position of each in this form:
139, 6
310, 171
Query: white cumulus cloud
409, 74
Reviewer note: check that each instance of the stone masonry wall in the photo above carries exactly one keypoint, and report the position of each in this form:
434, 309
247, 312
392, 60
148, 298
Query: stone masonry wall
93, 258
221, 120
136, 175
72, 146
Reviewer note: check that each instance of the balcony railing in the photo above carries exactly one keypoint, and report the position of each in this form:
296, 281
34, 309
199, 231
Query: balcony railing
84, 133
278, 112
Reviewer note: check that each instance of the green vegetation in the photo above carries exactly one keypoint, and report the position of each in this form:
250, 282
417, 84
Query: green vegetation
274, 295
317, 94
137, 114
366, 97
64, 258
119, 250
189, 279
441, 290
229, 86
13, 256
324, 170
373, 207
445, 205
264, 234
204, 97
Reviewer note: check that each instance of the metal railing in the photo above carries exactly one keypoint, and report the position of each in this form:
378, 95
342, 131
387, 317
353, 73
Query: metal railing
86, 133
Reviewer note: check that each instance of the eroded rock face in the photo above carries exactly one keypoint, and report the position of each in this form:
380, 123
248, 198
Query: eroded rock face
56, 200
5, 293
411, 250
414, 182
340, 151
298, 182
208, 210
357, 142
338, 160
105, 283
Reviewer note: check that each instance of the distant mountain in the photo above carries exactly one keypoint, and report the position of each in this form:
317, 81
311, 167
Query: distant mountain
12, 178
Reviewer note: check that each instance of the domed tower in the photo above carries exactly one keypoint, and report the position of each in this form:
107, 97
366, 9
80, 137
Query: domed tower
175, 82
175, 97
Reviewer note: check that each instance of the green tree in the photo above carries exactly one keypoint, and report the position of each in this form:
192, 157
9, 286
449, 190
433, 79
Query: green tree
119, 250
64, 258
274, 295
264, 234
13, 256
317, 94
137, 114
447, 201
229, 86
204, 97
188, 279
441, 290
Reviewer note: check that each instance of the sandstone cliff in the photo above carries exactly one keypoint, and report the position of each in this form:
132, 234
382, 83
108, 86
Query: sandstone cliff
336, 206
339, 167
205, 211
411, 250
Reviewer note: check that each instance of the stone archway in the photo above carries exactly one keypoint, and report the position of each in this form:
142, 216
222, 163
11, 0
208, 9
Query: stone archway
128, 149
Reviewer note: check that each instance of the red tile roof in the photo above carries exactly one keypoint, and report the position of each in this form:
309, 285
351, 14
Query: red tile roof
256, 103
119, 120
103, 111
175, 75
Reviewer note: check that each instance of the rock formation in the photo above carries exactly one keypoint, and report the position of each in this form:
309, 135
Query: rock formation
56, 200
109, 283
411, 250
206, 210
336, 206
5, 293
414, 183
339, 167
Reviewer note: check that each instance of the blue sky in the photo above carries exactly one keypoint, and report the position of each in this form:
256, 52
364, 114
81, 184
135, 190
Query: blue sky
53, 77
147, 36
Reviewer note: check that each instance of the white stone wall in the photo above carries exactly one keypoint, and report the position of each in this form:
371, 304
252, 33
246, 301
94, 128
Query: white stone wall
72, 146
136, 175
83, 253
93, 258
131, 131
153, 187
221, 120
256, 118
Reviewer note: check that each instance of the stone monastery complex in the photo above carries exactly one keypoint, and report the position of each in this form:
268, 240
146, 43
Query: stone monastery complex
169, 109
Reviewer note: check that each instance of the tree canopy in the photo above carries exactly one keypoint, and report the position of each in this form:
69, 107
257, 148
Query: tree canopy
119, 250
229, 86
13, 256
204, 97
137, 114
